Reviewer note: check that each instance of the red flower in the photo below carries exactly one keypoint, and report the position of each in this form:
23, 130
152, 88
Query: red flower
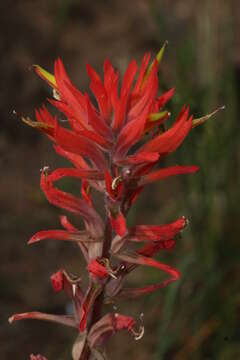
111, 152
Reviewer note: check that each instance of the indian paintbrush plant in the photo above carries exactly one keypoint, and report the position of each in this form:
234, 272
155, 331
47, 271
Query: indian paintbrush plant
116, 148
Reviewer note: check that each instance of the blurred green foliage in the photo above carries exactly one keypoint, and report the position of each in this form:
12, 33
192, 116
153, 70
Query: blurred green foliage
199, 316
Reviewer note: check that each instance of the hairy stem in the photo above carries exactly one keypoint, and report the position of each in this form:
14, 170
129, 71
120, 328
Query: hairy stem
97, 307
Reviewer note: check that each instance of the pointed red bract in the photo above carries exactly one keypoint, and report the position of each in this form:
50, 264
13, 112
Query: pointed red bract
71, 203
57, 281
163, 99
118, 222
107, 326
156, 232
138, 259
36, 315
81, 236
165, 173
97, 270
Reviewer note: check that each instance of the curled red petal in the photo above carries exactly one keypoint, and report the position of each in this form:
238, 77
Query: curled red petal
107, 326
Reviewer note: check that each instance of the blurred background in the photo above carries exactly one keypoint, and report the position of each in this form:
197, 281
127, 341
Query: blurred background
198, 317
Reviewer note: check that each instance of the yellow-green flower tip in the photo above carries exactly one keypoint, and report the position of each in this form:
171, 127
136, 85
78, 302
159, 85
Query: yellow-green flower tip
157, 116
45, 75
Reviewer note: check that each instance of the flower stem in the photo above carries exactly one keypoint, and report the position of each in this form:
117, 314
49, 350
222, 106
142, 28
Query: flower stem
97, 307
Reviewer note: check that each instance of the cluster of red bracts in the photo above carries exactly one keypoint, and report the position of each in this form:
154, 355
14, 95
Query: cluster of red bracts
107, 148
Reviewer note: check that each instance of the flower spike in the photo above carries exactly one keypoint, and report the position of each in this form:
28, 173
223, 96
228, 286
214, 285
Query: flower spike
114, 147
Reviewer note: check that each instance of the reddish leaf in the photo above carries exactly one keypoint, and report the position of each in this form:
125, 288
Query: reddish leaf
156, 232
35, 315
166, 172
81, 236
137, 259
71, 203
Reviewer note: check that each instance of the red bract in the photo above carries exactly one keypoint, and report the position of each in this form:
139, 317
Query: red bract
97, 270
110, 150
